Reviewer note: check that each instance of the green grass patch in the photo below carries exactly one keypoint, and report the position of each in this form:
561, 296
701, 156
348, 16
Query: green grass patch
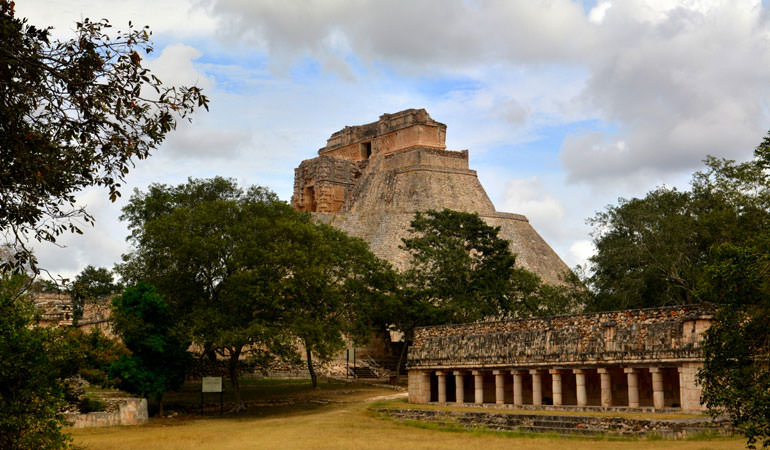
404, 404
447, 424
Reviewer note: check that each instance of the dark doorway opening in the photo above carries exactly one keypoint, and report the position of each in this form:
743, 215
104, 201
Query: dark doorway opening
366, 149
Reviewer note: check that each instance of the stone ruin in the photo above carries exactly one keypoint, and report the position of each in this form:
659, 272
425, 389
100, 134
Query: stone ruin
643, 359
370, 179
56, 309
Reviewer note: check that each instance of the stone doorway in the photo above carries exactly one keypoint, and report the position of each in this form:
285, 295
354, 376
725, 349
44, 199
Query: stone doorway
308, 199
366, 149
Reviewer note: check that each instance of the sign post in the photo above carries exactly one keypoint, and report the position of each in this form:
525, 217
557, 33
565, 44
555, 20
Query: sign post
212, 384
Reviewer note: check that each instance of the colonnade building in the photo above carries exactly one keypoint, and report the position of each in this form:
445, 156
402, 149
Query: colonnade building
646, 358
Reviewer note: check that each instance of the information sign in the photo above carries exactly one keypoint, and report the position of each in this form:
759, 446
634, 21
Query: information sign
212, 384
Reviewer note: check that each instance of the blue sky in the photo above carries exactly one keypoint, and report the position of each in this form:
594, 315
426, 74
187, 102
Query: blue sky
564, 105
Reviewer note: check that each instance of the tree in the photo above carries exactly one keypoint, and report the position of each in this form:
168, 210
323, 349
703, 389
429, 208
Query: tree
73, 114
210, 248
736, 376
159, 357
460, 263
710, 243
467, 272
645, 252
31, 394
736, 373
332, 288
462, 271
90, 354
89, 285
663, 249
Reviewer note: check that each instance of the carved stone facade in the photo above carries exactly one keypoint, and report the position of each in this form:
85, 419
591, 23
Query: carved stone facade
369, 180
636, 359
57, 310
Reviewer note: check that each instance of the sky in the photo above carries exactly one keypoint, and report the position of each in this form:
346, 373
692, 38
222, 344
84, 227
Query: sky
565, 106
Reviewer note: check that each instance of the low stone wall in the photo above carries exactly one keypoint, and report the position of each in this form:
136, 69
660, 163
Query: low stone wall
130, 411
567, 425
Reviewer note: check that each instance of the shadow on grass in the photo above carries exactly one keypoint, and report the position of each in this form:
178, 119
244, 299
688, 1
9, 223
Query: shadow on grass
263, 398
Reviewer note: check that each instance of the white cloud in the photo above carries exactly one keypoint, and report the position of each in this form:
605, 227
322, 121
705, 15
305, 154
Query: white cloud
100, 245
679, 80
581, 250
648, 88
675, 80
529, 197
194, 141
597, 13
180, 17
174, 66
406, 33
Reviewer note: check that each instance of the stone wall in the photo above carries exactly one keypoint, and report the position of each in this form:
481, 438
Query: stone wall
567, 425
130, 411
622, 337
57, 310
323, 184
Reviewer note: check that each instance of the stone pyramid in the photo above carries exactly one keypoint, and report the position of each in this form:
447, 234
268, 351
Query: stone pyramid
370, 179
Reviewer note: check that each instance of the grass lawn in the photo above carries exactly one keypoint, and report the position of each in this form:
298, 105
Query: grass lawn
288, 414
402, 403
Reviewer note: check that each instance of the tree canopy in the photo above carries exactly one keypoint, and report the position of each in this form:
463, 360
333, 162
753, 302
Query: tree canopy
710, 243
31, 393
158, 357
676, 247
74, 113
209, 248
90, 285
333, 284
462, 271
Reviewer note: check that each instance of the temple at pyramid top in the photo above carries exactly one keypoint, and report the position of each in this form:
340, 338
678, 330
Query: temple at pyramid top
370, 179
393, 132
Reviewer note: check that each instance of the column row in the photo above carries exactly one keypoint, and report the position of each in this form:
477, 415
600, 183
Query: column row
577, 387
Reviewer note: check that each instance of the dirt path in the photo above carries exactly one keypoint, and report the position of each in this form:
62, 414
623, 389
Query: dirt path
387, 397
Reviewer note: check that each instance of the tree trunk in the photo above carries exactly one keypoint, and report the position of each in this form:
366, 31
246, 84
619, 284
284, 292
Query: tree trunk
401, 359
313, 376
232, 367
160, 405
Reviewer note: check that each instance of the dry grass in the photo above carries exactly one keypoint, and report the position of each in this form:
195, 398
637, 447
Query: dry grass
344, 423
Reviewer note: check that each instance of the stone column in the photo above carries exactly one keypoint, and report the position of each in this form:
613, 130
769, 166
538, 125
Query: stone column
556, 384
459, 387
537, 387
690, 391
419, 386
478, 384
580, 387
518, 391
604, 375
658, 397
633, 387
441, 375
499, 386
